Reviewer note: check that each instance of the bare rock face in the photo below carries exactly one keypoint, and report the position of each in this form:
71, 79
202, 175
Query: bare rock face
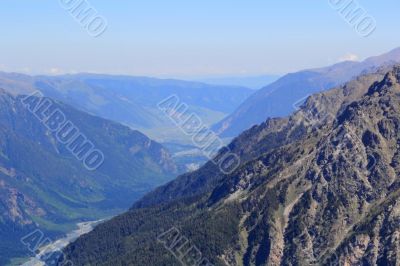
338, 189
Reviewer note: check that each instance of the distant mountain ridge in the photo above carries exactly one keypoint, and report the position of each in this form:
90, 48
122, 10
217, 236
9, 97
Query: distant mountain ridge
132, 100
278, 99
252, 82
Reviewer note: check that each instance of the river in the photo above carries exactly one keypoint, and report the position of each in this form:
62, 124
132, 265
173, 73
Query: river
58, 245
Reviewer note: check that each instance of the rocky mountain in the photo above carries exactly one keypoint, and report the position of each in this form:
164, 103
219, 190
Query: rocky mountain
52, 178
320, 187
280, 98
133, 101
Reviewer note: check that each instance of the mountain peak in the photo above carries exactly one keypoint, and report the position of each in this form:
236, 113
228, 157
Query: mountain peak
391, 82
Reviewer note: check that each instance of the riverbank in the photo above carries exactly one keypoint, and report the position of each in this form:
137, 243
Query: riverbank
56, 246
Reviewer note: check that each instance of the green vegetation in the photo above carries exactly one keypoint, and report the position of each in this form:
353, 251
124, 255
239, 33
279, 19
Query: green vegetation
42, 185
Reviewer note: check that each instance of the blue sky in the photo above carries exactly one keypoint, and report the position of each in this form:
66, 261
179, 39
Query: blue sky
177, 38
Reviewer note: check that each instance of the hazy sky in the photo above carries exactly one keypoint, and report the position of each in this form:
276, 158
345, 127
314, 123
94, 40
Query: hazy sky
178, 38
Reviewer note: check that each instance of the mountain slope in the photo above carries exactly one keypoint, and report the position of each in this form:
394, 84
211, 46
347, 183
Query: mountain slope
43, 185
133, 100
279, 98
252, 82
274, 132
326, 193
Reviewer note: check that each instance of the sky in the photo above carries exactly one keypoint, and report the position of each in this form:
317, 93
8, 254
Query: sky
178, 38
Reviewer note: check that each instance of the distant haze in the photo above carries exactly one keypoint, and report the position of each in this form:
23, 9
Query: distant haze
176, 39
252, 82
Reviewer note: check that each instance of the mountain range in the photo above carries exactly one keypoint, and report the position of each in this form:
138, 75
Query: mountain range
332, 158
319, 187
133, 101
280, 98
